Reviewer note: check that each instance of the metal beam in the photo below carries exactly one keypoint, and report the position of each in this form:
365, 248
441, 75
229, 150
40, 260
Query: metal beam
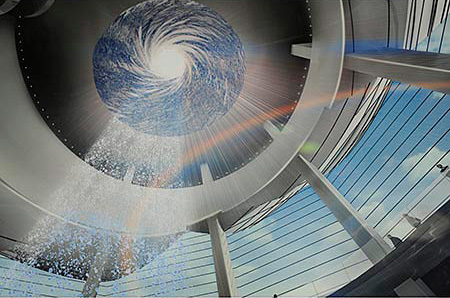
271, 129
303, 50
206, 173
365, 237
424, 69
222, 262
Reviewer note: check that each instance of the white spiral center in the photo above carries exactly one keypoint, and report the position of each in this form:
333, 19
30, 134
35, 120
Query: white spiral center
168, 62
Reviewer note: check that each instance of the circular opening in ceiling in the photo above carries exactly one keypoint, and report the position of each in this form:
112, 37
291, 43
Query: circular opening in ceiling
169, 68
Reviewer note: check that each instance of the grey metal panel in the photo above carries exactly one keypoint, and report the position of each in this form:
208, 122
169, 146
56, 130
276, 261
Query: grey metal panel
375, 23
16, 218
424, 69
226, 284
364, 236
19, 118
370, 23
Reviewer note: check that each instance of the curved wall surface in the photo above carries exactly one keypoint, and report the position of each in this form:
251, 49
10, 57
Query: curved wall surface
43, 170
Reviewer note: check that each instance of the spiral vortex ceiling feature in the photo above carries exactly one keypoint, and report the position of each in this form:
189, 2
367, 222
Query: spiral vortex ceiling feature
170, 67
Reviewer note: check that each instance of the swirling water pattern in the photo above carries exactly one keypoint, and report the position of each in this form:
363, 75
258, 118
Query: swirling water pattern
132, 87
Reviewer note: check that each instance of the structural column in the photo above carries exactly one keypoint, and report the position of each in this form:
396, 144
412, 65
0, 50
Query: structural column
222, 261
424, 69
370, 242
95, 275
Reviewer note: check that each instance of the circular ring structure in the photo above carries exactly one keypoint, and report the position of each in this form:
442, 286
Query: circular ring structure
268, 111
